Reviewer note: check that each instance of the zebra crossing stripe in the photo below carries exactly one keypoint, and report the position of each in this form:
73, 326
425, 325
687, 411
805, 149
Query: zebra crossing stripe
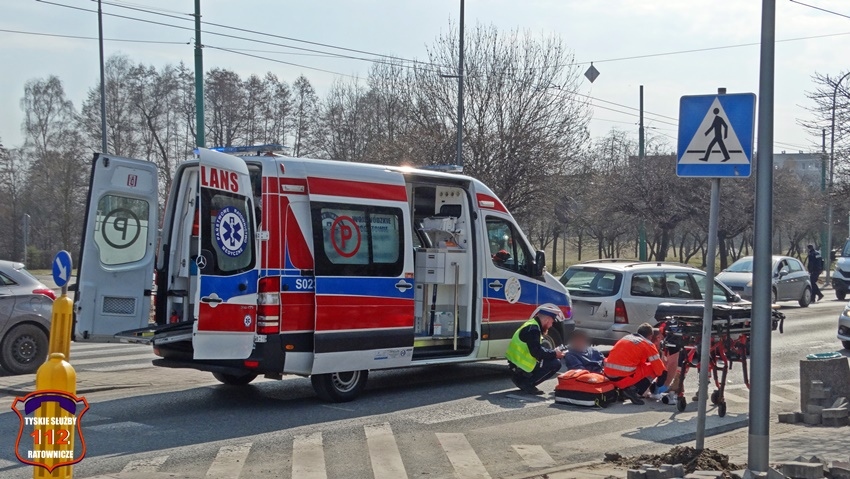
789, 387
383, 452
135, 357
534, 456
308, 457
734, 397
145, 465
111, 353
229, 461
465, 461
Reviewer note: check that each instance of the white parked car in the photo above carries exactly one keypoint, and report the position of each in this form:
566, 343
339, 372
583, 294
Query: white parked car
611, 298
844, 327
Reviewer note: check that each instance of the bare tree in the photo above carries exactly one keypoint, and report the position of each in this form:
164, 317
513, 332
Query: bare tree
305, 109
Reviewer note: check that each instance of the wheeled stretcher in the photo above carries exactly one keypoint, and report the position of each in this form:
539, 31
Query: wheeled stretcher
681, 326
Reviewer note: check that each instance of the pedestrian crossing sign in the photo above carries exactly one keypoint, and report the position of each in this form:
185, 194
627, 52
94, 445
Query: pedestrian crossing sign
716, 135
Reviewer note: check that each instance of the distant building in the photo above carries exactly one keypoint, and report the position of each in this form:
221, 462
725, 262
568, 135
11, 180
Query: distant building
806, 165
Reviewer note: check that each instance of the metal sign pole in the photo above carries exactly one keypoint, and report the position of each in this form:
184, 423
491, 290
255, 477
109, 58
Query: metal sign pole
708, 313
758, 444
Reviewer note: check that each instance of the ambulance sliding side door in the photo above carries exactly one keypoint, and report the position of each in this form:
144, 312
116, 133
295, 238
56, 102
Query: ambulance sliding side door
115, 276
364, 273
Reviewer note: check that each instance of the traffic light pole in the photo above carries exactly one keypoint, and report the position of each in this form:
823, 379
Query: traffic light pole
199, 79
641, 156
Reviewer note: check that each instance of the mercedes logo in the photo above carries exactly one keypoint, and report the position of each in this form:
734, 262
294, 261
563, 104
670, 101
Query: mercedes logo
201, 262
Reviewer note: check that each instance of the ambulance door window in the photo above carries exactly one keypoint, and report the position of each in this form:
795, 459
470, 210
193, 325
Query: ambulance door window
507, 249
121, 229
228, 232
356, 240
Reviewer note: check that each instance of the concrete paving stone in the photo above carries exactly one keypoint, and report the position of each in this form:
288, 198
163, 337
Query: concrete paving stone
814, 408
835, 421
636, 474
835, 412
820, 393
811, 419
839, 401
840, 472
655, 473
802, 470
678, 470
790, 417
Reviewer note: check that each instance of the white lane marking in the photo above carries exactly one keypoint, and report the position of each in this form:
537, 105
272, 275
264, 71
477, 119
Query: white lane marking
734, 397
77, 346
109, 352
117, 425
383, 451
465, 461
308, 457
789, 387
145, 465
534, 456
114, 359
120, 367
4, 464
229, 461
778, 398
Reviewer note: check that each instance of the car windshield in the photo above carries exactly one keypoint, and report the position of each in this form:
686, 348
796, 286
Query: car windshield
846, 250
743, 265
591, 282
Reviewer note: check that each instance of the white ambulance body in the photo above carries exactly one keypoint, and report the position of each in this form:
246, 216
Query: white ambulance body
275, 265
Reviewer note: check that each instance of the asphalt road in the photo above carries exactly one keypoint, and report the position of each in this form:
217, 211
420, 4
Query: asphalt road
463, 421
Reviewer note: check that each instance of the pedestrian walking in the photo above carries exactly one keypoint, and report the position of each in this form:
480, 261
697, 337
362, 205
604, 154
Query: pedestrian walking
814, 263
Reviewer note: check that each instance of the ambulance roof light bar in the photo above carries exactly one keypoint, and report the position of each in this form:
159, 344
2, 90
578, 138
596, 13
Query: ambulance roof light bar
250, 150
444, 168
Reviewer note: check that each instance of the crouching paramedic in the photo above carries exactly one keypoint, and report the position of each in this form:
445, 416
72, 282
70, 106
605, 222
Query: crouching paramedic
634, 362
530, 362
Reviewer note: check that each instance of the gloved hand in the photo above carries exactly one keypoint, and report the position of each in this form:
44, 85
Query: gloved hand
661, 389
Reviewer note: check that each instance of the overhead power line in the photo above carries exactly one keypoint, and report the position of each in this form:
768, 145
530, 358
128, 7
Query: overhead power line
235, 52
820, 8
57, 35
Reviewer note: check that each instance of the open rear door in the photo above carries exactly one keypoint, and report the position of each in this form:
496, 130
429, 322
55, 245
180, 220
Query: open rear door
364, 272
226, 309
116, 266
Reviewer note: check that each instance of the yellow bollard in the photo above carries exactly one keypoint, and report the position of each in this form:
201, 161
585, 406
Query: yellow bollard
62, 317
54, 375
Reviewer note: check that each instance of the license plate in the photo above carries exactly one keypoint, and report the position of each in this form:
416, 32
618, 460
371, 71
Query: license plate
260, 338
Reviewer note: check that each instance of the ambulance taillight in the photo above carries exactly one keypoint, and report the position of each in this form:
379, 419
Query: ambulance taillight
268, 306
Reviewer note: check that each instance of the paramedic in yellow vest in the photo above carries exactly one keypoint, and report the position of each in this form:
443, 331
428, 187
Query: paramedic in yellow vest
529, 361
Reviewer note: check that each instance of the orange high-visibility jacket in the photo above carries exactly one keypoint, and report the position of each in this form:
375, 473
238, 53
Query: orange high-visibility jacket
631, 352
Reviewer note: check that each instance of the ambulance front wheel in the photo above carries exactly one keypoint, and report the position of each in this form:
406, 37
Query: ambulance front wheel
339, 387
233, 379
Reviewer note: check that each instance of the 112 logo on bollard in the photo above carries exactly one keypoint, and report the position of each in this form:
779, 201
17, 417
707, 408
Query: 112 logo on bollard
50, 435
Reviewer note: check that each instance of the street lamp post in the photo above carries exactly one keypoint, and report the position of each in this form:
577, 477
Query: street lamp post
828, 252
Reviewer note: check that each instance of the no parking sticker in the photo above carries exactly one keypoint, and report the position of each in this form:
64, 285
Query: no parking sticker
345, 236
231, 231
120, 228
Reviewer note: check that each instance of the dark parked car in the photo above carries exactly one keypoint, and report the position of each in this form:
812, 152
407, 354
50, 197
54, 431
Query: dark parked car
25, 311
790, 279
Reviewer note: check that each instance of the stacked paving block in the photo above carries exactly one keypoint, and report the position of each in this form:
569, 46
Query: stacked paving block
821, 408
664, 471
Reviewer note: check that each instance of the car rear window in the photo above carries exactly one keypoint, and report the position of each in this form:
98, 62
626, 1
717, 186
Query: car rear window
591, 282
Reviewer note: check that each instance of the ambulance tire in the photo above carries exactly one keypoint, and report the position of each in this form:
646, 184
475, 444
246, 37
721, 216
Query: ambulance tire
339, 387
552, 339
234, 380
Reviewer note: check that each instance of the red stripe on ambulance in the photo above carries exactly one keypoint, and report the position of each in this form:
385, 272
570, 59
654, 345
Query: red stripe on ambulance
357, 189
363, 312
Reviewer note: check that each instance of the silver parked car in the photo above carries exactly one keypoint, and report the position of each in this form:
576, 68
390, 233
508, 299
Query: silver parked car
790, 280
25, 310
844, 327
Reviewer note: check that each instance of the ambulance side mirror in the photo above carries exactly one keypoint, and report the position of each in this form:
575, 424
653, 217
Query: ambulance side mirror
539, 263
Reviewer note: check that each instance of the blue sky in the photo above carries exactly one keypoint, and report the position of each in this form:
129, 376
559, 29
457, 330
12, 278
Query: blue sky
597, 30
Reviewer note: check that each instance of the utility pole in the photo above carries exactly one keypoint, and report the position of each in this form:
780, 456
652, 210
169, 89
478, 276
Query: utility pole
103, 145
460, 92
758, 441
199, 79
828, 253
823, 185
641, 157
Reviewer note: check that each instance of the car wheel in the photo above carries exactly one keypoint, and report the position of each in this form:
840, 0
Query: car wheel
806, 299
24, 349
339, 387
840, 295
233, 379
846, 344
772, 296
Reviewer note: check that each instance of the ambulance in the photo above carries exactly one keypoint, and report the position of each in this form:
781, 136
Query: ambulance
270, 265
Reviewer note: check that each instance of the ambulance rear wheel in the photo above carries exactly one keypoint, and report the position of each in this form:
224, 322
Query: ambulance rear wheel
339, 387
233, 379
552, 339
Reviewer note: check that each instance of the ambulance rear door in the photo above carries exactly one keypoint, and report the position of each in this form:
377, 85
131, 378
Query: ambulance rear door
226, 307
117, 256
363, 269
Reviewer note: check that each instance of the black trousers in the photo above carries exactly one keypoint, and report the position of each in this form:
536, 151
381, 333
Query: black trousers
544, 370
813, 277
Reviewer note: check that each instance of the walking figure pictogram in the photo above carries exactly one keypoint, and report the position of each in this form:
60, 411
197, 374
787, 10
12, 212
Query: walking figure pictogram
717, 125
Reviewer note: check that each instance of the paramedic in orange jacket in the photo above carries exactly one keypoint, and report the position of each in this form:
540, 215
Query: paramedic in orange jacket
634, 362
